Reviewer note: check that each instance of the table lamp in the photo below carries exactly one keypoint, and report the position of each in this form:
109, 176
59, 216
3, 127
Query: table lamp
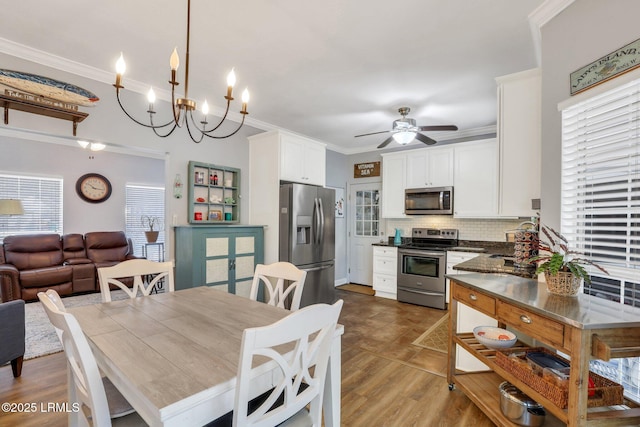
11, 207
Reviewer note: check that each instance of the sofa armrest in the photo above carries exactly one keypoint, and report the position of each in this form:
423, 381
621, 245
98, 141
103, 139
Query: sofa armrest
9, 283
12, 334
76, 261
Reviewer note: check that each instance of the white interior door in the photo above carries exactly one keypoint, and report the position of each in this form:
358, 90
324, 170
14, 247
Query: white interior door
364, 230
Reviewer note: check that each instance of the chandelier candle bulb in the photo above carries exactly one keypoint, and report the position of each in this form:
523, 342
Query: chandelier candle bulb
205, 108
174, 61
231, 81
245, 101
121, 67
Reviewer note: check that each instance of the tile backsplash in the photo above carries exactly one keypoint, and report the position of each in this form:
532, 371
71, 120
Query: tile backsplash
492, 230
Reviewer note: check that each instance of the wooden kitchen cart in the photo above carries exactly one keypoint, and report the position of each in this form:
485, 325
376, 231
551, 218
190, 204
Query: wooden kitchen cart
582, 327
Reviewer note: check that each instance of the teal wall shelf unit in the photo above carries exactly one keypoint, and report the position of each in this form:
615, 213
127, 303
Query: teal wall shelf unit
214, 194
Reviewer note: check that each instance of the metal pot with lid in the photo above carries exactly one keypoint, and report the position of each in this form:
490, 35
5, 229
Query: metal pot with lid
519, 407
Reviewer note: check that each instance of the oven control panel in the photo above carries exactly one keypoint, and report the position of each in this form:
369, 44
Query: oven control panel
434, 233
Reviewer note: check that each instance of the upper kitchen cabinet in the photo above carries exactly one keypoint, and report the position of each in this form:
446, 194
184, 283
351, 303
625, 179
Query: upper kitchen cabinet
302, 160
276, 156
475, 179
519, 127
394, 180
431, 167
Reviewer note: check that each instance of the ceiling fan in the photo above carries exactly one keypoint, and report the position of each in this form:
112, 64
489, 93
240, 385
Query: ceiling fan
405, 130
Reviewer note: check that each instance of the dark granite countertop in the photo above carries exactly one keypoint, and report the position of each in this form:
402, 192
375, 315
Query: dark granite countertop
478, 246
484, 263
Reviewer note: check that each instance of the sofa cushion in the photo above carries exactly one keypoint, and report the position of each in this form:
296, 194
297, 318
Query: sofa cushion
43, 277
73, 246
106, 246
33, 251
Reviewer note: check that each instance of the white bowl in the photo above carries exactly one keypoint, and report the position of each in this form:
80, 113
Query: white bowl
493, 337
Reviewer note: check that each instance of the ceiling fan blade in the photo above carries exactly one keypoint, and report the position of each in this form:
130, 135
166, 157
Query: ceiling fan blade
438, 127
425, 139
386, 142
372, 133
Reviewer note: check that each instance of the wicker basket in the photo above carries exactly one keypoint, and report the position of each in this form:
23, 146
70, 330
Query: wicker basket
563, 283
606, 392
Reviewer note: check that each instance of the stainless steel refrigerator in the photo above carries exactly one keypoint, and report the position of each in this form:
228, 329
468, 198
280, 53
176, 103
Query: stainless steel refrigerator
307, 238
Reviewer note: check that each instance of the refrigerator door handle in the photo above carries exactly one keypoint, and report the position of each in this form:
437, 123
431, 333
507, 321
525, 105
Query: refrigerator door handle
316, 221
321, 221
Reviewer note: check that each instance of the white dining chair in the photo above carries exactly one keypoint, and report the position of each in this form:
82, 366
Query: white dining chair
272, 278
87, 393
301, 372
146, 275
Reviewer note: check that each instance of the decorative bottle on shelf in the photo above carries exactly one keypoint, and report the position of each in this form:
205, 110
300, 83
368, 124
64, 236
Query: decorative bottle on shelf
215, 179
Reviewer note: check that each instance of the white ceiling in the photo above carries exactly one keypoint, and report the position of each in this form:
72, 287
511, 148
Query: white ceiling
327, 69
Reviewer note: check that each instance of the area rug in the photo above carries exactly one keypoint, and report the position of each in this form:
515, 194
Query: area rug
40, 336
436, 337
361, 289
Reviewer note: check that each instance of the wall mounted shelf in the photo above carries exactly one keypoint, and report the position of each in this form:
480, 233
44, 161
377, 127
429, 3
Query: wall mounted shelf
11, 103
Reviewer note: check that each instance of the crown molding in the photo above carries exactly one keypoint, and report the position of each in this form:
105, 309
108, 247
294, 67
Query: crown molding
540, 16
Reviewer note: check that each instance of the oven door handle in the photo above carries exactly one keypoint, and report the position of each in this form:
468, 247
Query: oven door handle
421, 252
414, 291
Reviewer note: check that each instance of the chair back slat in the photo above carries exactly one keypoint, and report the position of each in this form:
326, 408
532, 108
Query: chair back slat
273, 277
146, 275
300, 346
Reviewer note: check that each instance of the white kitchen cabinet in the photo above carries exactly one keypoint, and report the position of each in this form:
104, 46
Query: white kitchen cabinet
394, 180
272, 157
302, 160
431, 167
467, 318
385, 270
475, 179
519, 127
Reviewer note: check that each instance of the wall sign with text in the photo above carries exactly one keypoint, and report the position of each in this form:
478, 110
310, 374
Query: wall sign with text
618, 62
366, 170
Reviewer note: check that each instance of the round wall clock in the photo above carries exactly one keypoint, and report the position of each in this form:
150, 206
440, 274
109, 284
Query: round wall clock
93, 188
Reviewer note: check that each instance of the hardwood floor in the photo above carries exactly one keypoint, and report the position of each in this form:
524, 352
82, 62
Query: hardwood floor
386, 381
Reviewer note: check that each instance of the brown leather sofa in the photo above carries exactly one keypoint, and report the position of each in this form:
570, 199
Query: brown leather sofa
33, 263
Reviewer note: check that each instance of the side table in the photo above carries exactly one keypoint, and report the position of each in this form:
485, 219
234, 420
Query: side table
159, 250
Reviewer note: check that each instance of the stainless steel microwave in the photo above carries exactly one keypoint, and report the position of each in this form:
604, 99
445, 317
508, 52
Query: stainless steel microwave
428, 201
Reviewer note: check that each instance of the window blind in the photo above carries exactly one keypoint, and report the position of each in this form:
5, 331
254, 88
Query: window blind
42, 202
600, 207
143, 200
601, 178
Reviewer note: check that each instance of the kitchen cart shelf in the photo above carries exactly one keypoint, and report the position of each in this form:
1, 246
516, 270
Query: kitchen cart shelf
569, 325
214, 193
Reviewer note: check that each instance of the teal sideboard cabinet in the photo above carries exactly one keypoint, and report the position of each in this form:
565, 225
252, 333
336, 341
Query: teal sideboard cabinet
223, 256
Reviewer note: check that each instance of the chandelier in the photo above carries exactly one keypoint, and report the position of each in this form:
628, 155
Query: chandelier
183, 108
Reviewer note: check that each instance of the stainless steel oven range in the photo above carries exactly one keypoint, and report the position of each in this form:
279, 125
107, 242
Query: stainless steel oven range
422, 265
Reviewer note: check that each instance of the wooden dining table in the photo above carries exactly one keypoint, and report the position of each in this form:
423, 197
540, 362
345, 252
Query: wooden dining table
174, 356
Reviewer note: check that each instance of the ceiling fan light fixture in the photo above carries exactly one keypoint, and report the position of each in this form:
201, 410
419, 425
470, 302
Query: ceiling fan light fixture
405, 137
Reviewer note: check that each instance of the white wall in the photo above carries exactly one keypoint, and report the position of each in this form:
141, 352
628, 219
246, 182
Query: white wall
579, 35
337, 176
69, 163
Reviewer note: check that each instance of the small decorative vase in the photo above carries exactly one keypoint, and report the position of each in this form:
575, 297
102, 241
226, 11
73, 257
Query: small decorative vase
152, 236
563, 283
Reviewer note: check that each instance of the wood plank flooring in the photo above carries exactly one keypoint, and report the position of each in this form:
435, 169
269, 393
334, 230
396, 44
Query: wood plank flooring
386, 381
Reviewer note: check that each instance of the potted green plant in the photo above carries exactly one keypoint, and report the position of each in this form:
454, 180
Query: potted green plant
562, 267
149, 222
